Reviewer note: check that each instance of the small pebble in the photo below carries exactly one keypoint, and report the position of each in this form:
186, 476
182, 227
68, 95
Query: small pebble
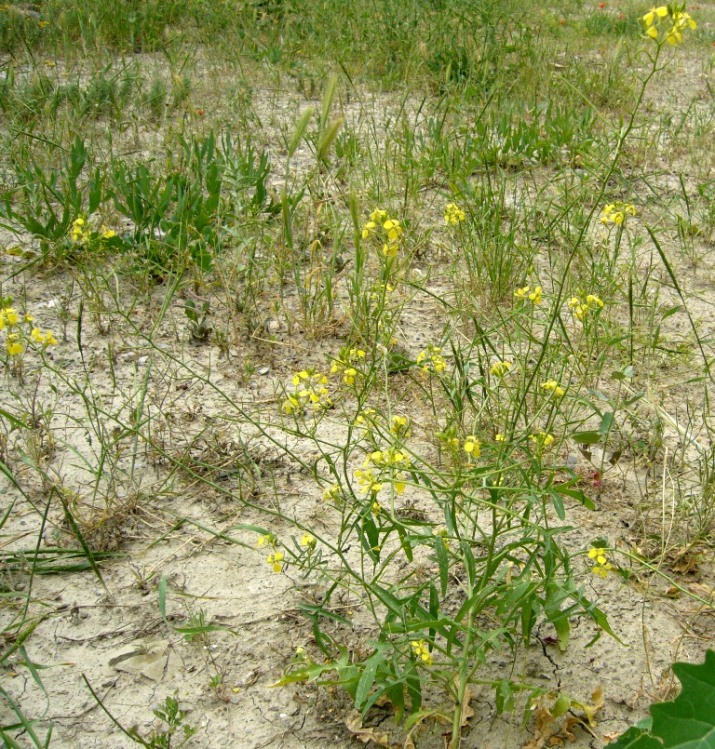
263, 370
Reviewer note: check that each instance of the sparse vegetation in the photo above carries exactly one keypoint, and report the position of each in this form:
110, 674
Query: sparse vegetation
402, 321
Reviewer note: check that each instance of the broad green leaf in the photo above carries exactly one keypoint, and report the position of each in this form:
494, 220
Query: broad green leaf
586, 438
367, 679
688, 722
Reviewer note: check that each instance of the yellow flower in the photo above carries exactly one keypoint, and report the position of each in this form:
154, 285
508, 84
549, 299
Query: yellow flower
105, 233
366, 415
442, 533
290, 405
431, 359
393, 230
368, 229
36, 336
553, 387
421, 651
399, 426
472, 446
367, 480
390, 249
50, 339
332, 493
13, 344
378, 216
453, 214
499, 437
275, 561
9, 316
296, 379
542, 439
522, 293
602, 566
536, 295
376, 508
308, 541
655, 13
500, 368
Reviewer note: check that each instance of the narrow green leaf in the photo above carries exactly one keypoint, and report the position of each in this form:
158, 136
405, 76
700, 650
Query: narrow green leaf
162, 599
443, 563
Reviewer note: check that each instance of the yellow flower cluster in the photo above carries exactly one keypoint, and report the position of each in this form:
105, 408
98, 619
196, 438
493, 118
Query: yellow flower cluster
500, 368
536, 296
581, 309
333, 493
81, 234
346, 364
400, 426
310, 391
381, 466
380, 292
421, 651
601, 566
16, 337
679, 20
368, 481
552, 386
453, 214
388, 231
275, 560
616, 213
431, 360
78, 234
8, 317
44, 339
